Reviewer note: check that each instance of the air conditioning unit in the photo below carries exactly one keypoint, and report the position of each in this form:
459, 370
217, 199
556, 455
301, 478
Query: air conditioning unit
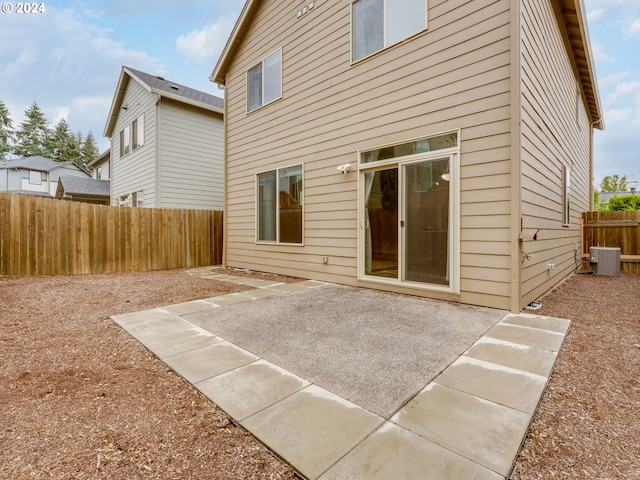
605, 261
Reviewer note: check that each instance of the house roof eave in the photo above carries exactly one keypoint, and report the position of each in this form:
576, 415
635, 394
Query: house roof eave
121, 88
218, 73
574, 21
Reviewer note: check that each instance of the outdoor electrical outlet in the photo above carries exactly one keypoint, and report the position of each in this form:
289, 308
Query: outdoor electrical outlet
576, 246
325, 259
551, 266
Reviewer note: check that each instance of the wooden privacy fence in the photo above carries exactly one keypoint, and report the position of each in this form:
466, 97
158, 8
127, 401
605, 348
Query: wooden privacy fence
614, 229
42, 236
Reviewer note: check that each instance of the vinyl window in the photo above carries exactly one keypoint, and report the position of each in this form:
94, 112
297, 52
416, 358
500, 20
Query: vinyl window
279, 205
132, 136
377, 24
264, 81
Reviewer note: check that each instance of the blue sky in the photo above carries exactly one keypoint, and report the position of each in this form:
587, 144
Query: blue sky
68, 59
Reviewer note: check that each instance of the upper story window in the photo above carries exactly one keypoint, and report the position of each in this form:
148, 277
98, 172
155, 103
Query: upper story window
132, 136
264, 81
35, 177
376, 24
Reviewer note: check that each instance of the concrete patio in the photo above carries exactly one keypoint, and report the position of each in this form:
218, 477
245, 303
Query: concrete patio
353, 383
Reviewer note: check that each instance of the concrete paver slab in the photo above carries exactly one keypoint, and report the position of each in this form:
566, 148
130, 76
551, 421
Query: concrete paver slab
392, 452
557, 325
249, 389
209, 361
520, 357
181, 342
312, 428
298, 286
500, 384
230, 299
134, 318
482, 431
188, 307
153, 323
257, 283
532, 337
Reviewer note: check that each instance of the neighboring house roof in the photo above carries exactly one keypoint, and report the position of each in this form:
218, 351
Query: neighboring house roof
84, 186
572, 13
40, 164
104, 156
31, 193
163, 88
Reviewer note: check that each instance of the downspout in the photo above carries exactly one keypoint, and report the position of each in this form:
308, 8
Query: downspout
591, 163
516, 157
158, 152
224, 180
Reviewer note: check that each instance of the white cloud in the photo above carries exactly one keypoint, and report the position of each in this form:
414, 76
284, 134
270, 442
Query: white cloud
595, 15
625, 92
65, 62
206, 44
632, 28
613, 79
599, 53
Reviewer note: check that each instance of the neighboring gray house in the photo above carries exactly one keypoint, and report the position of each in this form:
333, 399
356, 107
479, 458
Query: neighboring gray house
167, 144
87, 190
35, 175
100, 167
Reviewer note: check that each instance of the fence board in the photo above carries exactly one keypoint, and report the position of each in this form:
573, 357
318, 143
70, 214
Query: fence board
42, 236
614, 229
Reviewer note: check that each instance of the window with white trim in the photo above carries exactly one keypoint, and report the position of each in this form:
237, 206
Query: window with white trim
377, 24
264, 81
279, 205
35, 177
132, 136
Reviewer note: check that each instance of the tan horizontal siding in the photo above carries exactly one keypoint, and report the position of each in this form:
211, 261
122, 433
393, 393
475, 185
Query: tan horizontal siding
552, 135
455, 75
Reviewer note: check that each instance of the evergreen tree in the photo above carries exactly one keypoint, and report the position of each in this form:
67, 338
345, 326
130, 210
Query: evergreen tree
6, 132
89, 150
74, 146
31, 136
58, 142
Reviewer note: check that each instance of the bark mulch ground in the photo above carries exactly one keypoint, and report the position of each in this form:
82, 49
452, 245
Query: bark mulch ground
80, 399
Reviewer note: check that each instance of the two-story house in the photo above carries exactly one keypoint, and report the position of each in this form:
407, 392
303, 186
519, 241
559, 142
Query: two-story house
431, 147
167, 144
36, 175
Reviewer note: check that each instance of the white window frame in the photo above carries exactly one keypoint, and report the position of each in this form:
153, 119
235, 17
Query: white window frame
132, 136
386, 43
125, 141
262, 102
277, 207
137, 133
32, 177
137, 199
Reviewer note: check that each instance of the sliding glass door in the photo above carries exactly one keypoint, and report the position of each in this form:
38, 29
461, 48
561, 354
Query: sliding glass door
408, 220
425, 222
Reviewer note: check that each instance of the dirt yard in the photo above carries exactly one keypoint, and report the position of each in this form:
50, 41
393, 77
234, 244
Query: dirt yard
80, 399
